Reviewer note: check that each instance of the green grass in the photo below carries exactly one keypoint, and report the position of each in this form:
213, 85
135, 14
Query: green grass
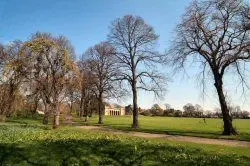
177, 126
27, 142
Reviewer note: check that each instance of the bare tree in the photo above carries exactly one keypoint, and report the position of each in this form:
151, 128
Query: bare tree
101, 62
71, 93
212, 33
189, 110
167, 106
198, 108
85, 88
134, 41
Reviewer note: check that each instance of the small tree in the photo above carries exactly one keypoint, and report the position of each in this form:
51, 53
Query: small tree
128, 109
189, 110
157, 110
101, 63
199, 110
167, 106
245, 115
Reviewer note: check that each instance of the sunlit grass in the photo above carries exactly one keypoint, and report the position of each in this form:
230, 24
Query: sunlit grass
36, 144
180, 126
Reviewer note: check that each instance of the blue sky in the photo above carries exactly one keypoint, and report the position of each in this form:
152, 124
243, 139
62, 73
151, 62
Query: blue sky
86, 23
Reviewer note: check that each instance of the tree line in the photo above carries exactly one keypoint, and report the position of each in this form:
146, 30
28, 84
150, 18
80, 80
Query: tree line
194, 111
44, 69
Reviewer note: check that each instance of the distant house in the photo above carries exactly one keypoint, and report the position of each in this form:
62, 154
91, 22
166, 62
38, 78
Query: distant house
114, 110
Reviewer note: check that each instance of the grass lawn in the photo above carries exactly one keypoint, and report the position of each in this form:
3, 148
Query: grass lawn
27, 142
178, 126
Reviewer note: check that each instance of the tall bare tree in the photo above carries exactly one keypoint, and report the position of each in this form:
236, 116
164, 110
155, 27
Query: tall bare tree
213, 33
134, 41
101, 63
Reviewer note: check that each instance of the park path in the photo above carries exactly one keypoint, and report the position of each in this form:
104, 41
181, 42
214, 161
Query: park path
173, 137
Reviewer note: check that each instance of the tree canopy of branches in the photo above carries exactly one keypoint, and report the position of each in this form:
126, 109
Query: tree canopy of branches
191, 110
50, 64
212, 31
134, 42
157, 110
85, 84
12, 73
101, 63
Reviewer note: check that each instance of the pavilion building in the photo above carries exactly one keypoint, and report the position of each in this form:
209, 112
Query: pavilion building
112, 110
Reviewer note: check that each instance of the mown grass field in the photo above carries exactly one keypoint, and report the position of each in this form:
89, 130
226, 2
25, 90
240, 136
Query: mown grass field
178, 126
27, 142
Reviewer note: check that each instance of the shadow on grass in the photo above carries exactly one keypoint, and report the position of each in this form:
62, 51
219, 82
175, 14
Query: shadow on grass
108, 152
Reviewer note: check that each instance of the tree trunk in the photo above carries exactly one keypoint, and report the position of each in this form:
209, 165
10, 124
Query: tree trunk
227, 119
56, 122
34, 109
135, 107
82, 102
46, 112
81, 107
86, 108
71, 107
11, 99
46, 115
46, 118
100, 109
